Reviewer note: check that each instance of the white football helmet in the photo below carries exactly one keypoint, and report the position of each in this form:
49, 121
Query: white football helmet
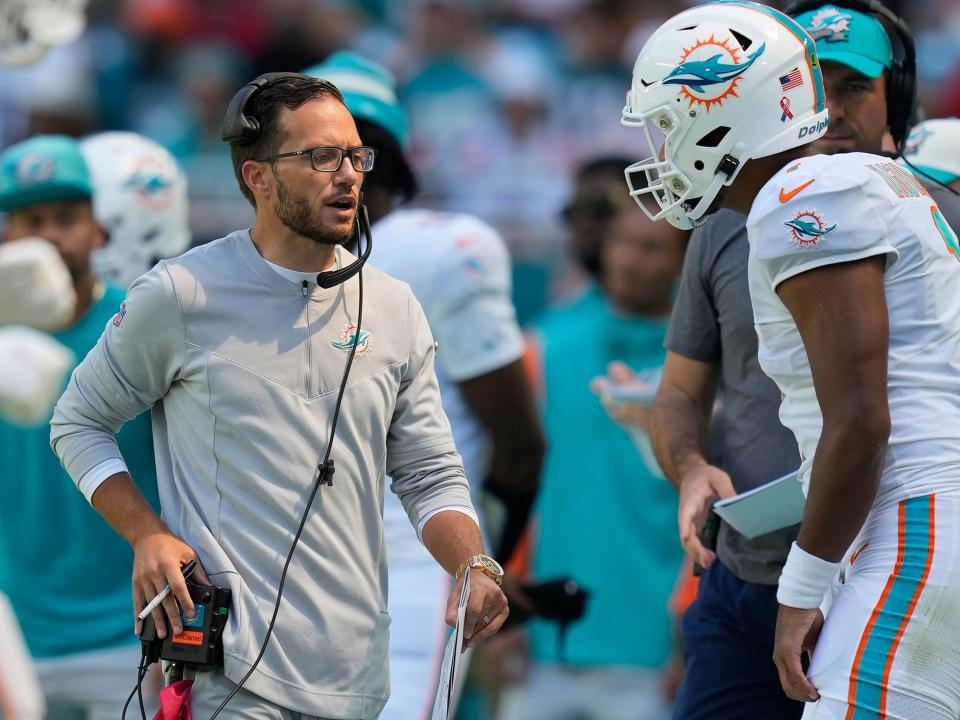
713, 87
140, 198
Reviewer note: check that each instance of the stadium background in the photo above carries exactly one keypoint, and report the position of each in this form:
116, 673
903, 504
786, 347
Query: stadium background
506, 97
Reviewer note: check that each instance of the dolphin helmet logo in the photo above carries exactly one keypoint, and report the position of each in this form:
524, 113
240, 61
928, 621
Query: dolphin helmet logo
706, 76
150, 182
807, 228
918, 136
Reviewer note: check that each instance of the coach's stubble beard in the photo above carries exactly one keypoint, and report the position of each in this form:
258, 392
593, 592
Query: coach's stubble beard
300, 216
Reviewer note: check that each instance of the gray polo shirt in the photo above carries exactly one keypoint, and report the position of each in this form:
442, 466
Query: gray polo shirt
712, 322
948, 202
241, 368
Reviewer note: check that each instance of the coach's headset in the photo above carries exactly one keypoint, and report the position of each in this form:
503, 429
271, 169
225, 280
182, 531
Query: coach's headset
902, 75
241, 128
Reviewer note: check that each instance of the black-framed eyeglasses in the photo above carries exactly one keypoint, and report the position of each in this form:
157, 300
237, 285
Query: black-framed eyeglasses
329, 159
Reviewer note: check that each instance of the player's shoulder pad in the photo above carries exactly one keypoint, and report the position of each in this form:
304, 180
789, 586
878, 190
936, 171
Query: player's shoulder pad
813, 203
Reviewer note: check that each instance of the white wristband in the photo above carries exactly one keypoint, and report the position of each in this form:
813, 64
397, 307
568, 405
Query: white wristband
805, 579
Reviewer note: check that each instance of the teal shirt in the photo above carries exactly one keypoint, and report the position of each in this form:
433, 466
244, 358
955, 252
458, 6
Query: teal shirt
66, 572
605, 517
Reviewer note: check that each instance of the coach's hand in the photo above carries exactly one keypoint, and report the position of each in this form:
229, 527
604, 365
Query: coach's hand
157, 560
487, 608
797, 632
700, 486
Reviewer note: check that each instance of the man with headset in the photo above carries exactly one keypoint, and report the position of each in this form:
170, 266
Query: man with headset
869, 71
244, 349
458, 268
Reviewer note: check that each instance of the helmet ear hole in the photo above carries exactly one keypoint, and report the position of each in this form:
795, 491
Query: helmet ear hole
744, 41
714, 137
698, 164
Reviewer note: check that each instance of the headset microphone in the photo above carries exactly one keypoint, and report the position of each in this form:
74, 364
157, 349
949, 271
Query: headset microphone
332, 278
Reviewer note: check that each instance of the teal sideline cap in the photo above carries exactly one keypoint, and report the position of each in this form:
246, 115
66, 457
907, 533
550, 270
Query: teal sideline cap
369, 91
849, 37
45, 168
934, 148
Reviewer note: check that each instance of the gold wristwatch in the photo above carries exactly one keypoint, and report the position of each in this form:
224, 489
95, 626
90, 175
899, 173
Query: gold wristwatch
485, 564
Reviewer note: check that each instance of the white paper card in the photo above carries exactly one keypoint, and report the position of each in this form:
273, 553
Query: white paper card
454, 661
776, 505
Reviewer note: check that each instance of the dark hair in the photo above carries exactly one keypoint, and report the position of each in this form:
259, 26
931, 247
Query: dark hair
391, 172
604, 165
264, 105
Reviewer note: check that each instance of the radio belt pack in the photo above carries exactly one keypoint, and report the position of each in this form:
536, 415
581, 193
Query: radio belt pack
200, 645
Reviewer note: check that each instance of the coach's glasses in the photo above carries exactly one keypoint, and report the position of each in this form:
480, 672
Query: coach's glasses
329, 159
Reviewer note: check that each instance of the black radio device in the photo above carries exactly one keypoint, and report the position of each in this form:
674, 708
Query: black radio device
200, 645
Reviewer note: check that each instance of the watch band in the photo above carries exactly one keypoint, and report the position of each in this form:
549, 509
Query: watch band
476, 561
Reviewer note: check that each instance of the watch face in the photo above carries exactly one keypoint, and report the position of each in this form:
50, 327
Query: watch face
490, 564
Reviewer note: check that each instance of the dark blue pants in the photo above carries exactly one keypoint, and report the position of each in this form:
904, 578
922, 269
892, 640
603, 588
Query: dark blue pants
728, 648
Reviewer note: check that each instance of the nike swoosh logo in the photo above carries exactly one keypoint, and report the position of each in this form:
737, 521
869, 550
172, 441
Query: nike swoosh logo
788, 196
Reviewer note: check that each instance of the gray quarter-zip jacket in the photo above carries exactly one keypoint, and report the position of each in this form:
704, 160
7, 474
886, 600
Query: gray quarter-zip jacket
241, 368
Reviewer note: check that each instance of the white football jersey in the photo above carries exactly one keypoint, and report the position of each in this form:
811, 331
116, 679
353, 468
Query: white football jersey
459, 270
832, 209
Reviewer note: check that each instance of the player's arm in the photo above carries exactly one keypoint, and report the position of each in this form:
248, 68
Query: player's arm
681, 416
502, 401
841, 313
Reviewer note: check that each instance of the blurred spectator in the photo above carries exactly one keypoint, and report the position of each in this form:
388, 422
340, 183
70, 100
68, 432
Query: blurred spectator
73, 599
604, 516
598, 194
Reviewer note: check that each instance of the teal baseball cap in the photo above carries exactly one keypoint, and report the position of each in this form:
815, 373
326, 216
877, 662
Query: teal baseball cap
852, 38
45, 168
369, 91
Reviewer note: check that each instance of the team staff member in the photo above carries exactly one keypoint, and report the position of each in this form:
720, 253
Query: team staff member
729, 630
459, 270
851, 272
72, 598
241, 352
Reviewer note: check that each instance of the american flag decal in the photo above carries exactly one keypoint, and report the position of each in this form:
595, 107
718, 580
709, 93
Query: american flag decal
791, 80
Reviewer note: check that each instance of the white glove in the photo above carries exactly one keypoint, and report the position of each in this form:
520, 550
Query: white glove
33, 367
35, 285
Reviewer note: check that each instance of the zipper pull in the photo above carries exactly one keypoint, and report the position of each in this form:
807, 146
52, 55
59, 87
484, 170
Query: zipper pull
303, 287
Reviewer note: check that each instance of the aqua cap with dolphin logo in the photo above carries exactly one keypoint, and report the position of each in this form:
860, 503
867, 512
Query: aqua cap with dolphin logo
848, 37
43, 169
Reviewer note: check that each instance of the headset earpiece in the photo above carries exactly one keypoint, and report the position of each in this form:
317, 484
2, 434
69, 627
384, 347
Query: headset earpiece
239, 127
902, 76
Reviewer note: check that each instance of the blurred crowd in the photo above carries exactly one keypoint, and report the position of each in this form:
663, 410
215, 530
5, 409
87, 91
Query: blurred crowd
506, 98
514, 108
